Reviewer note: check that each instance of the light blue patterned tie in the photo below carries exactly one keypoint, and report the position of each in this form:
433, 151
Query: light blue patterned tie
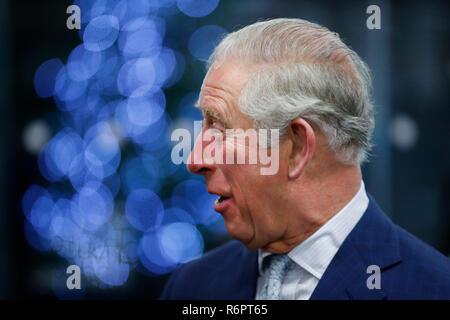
278, 267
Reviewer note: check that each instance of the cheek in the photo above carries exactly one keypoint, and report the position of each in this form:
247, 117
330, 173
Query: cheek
252, 191
246, 175
264, 194
241, 147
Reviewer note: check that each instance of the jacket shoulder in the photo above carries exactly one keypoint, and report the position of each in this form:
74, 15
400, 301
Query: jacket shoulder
190, 280
424, 272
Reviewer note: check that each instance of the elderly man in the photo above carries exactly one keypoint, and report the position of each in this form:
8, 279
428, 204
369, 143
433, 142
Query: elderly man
309, 230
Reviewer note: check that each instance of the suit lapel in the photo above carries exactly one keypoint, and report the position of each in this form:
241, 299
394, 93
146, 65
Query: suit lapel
373, 241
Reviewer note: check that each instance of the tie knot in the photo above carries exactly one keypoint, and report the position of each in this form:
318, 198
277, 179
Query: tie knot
278, 265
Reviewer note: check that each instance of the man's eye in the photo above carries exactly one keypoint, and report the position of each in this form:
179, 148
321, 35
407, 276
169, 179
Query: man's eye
218, 125
214, 123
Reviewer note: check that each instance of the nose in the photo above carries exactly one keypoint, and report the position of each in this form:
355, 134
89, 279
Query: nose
197, 162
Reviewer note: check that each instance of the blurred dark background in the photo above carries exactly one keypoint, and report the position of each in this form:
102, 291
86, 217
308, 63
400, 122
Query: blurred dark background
408, 173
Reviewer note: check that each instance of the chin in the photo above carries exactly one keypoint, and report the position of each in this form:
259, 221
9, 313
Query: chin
246, 237
251, 245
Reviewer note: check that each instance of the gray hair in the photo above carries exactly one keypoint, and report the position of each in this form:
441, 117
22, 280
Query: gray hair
304, 70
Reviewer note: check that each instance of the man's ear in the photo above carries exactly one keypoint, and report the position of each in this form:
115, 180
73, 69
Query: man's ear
303, 141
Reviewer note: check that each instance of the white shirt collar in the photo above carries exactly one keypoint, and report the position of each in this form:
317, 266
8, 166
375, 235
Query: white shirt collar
316, 252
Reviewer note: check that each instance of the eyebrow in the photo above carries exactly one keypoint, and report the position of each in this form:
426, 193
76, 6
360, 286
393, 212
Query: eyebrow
212, 113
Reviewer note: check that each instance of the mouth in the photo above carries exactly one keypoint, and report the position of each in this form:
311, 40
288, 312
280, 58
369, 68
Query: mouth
222, 198
222, 203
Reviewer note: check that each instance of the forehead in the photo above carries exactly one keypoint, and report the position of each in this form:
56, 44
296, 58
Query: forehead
232, 74
221, 89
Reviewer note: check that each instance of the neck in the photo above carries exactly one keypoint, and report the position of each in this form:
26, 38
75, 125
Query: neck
315, 200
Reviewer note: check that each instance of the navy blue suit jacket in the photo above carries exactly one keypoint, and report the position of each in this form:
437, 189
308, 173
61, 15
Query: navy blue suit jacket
410, 269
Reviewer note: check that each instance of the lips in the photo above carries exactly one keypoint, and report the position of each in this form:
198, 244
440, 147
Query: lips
223, 200
222, 203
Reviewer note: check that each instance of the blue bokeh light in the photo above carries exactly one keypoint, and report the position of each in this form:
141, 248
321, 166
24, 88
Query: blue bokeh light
156, 136
180, 242
202, 42
113, 182
78, 172
194, 192
102, 153
173, 215
108, 266
180, 203
178, 71
34, 239
144, 112
98, 8
165, 63
110, 159
141, 37
45, 77
83, 64
134, 9
144, 210
56, 157
62, 224
160, 164
197, 8
62, 149
101, 33
92, 206
106, 113
135, 116
136, 77
41, 215
31, 195
46, 172
67, 89
151, 257
135, 175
